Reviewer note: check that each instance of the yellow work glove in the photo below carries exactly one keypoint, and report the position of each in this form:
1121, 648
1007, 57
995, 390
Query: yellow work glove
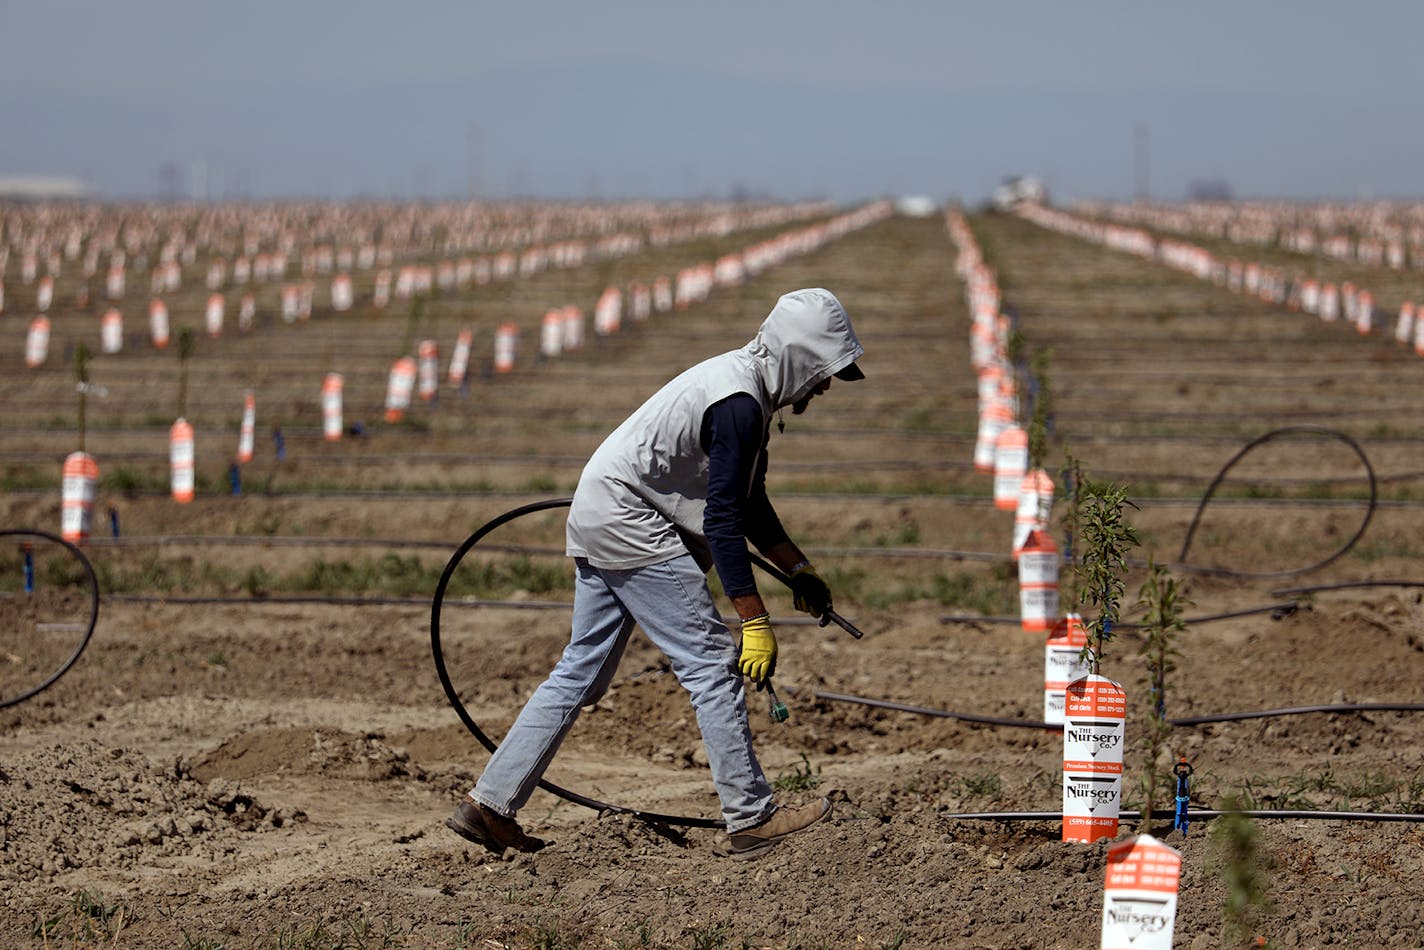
811, 594
757, 660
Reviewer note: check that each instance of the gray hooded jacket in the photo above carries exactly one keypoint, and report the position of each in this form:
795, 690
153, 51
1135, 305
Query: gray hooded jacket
641, 497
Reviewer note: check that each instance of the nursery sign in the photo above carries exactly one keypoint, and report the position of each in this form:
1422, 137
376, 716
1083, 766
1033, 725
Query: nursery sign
1093, 731
1140, 895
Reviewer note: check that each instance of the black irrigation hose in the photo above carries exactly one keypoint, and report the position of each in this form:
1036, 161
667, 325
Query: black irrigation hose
1198, 815
1250, 446
1011, 723
93, 583
1277, 611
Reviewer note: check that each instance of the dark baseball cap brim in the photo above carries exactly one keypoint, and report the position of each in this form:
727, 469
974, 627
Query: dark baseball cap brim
850, 373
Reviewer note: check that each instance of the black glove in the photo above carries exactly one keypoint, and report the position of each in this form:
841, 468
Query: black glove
811, 594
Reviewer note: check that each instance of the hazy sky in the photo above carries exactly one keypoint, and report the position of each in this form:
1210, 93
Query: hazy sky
786, 98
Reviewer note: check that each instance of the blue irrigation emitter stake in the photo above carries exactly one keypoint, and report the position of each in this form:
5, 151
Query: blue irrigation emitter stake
29, 569
1183, 771
113, 521
234, 477
280, 443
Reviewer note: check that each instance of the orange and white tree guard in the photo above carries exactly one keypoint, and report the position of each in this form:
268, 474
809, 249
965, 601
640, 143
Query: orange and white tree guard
213, 315
1094, 730
505, 342
1063, 663
342, 295
1404, 326
114, 284
993, 420
291, 303
180, 460
44, 294
37, 343
1034, 506
1140, 895
158, 329
111, 331
1010, 466
460, 357
247, 432
573, 327
246, 312
427, 355
332, 422
608, 313
1038, 583
551, 333
399, 387
79, 481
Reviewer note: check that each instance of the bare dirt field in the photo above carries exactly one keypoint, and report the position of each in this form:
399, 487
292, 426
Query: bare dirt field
255, 750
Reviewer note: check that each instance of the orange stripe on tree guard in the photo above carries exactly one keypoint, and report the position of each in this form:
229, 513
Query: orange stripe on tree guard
180, 460
79, 479
399, 387
331, 410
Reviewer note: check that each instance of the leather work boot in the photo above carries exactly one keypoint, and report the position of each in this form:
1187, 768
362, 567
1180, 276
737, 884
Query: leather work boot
489, 829
757, 840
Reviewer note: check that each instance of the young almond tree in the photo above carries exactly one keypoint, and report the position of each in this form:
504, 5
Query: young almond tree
1162, 601
1106, 537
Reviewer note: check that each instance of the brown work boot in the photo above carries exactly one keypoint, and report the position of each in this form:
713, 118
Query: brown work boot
475, 822
758, 839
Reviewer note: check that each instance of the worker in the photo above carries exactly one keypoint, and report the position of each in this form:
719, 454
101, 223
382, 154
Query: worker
675, 490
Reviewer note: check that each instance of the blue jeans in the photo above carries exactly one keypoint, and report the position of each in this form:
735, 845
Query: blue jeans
672, 604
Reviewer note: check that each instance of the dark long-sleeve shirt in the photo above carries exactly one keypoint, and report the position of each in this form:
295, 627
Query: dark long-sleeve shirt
735, 436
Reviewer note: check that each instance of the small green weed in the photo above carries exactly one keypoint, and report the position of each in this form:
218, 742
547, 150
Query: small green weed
87, 919
801, 778
988, 784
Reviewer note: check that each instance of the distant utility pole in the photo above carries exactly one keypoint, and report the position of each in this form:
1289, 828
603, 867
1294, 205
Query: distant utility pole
1140, 186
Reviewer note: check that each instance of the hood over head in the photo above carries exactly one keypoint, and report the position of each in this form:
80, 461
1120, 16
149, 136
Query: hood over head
806, 339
